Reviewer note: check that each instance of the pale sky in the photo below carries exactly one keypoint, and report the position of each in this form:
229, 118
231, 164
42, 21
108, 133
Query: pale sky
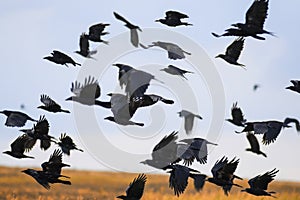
31, 30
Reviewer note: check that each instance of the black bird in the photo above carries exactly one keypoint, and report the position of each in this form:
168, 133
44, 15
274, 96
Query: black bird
39, 132
87, 93
295, 87
85, 47
96, 31
18, 147
134, 38
136, 81
135, 189
256, 86
66, 144
50, 105
198, 147
270, 129
171, 69
259, 184
122, 110
54, 165
16, 118
237, 116
44, 179
174, 51
254, 24
223, 174
233, 52
149, 99
179, 175
164, 153
173, 18
188, 120
61, 58
254, 145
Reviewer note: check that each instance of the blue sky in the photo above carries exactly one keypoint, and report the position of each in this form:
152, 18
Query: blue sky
31, 30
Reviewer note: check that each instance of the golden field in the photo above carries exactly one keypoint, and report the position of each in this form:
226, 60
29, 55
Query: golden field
90, 185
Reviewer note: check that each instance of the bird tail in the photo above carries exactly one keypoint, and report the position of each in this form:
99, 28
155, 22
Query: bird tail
187, 24
79, 149
64, 182
105, 42
103, 104
65, 111
262, 153
167, 101
198, 116
138, 124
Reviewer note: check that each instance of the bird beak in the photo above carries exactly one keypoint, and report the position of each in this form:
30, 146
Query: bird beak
217, 56
156, 20
109, 94
69, 99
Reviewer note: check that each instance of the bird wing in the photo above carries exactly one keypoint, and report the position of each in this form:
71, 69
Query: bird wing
175, 14
136, 187
90, 89
177, 69
219, 166
134, 37
296, 83
84, 43
199, 148
97, 29
274, 129
257, 13
253, 141
66, 140
185, 153
178, 180
188, 123
175, 52
47, 101
56, 157
260, 127
235, 48
237, 114
199, 181
119, 17
19, 144
120, 107
166, 140
138, 83
262, 181
16, 119
42, 126
230, 167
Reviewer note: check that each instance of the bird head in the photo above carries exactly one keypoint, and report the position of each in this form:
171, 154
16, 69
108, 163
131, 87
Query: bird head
159, 20
7, 152
237, 25
110, 118
69, 99
5, 112
164, 69
48, 58
219, 56
121, 197
41, 107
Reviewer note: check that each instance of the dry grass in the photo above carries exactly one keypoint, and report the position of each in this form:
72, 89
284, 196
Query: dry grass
88, 185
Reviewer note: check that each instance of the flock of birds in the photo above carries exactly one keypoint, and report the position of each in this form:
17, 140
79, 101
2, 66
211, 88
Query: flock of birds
170, 151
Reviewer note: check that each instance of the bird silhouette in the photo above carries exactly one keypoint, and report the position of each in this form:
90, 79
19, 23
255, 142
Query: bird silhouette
87, 93
270, 129
54, 165
188, 120
256, 87
85, 47
174, 51
171, 69
259, 184
18, 147
223, 174
254, 22
148, 100
237, 116
233, 52
61, 58
254, 144
39, 132
135, 189
295, 87
198, 147
179, 175
134, 38
96, 31
173, 19
16, 118
50, 105
122, 110
66, 144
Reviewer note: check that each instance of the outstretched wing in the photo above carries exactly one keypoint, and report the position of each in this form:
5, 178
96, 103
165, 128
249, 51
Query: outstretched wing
237, 114
262, 181
166, 140
234, 50
47, 101
175, 14
257, 13
136, 187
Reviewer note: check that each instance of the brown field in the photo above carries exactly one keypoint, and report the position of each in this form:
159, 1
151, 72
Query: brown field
90, 185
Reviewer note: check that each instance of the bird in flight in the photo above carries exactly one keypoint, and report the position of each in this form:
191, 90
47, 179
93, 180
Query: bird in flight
233, 52
174, 51
237, 116
295, 87
85, 47
18, 147
66, 144
50, 105
173, 19
16, 118
135, 189
134, 38
171, 69
87, 93
61, 58
259, 184
254, 22
96, 31
254, 145
188, 120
